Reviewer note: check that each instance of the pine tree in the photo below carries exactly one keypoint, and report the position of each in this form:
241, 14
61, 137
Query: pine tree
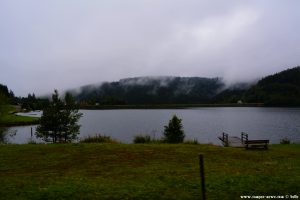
59, 120
174, 131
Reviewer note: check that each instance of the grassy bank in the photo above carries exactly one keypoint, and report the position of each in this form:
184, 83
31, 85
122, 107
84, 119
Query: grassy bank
157, 171
8, 118
15, 120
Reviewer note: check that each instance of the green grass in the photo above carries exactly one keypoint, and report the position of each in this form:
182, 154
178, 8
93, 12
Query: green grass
7, 118
15, 120
145, 171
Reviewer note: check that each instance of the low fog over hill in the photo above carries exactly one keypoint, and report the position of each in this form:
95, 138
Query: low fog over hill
282, 88
152, 90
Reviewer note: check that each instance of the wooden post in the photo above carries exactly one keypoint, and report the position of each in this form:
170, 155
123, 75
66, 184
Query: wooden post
201, 164
31, 132
244, 137
227, 142
225, 139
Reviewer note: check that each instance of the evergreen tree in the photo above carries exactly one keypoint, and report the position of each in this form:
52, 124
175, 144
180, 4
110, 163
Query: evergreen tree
59, 120
3, 104
70, 118
174, 131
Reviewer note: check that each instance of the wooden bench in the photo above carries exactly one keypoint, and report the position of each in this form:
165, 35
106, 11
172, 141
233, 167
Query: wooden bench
256, 144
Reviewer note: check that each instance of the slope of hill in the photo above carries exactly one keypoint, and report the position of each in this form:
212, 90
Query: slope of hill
152, 90
280, 89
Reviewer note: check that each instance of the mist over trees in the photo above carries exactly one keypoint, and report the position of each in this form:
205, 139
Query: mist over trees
279, 89
152, 90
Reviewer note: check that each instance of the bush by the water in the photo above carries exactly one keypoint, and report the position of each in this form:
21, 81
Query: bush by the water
31, 141
98, 138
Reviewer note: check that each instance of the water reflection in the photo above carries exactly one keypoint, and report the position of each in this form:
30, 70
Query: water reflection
6, 135
2, 134
203, 124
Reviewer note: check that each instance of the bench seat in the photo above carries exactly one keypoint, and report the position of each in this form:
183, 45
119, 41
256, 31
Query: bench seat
256, 144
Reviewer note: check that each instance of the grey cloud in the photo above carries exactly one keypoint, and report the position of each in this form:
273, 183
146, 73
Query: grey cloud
66, 44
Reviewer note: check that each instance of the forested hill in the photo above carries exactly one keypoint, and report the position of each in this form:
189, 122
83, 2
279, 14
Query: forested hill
151, 90
280, 89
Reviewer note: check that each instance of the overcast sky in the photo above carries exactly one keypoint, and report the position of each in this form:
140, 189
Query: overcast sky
69, 43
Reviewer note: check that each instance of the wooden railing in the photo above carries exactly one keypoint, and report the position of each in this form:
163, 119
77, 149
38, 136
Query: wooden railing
225, 139
244, 137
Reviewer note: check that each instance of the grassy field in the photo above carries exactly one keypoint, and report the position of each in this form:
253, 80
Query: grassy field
136, 171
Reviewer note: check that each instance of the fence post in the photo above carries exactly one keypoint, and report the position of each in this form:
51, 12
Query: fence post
225, 139
202, 176
244, 137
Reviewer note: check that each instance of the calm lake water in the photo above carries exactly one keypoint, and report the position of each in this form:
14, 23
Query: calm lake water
203, 124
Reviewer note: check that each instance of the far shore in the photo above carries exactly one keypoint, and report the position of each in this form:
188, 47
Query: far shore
22, 123
167, 106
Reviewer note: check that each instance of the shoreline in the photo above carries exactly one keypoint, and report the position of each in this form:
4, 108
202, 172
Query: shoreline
15, 120
23, 123
166, 106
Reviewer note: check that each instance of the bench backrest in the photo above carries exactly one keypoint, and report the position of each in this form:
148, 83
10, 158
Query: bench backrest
256, 141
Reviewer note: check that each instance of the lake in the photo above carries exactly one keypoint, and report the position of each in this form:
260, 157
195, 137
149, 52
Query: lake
203, 124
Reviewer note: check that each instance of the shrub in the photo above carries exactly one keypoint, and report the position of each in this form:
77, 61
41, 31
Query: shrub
31, 141
174, 131
146, 139
285, 141
194, 141
98, 138
141, 139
